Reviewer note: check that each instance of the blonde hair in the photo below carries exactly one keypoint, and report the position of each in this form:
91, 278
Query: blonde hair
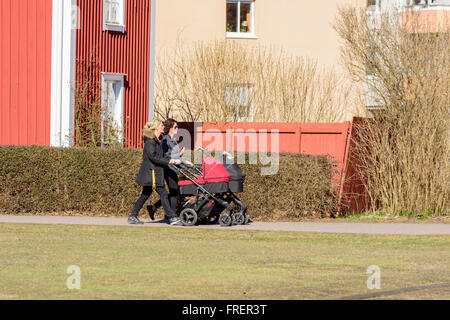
149, 129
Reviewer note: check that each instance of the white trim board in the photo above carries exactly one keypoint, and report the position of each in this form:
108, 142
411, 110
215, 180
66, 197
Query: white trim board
151, 92
62, 73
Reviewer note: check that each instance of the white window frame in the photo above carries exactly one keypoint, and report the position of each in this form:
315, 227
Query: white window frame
244, 35
118, 27
118, 113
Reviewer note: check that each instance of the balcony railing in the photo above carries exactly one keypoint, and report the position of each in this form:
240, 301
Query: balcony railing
424, 4
376, 6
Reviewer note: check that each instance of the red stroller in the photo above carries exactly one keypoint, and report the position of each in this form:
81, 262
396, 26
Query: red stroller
213, 184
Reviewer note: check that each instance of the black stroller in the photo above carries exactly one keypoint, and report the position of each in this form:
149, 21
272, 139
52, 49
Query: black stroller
212, 187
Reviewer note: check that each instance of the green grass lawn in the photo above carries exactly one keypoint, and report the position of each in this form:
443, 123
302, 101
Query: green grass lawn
180, 263
405, 217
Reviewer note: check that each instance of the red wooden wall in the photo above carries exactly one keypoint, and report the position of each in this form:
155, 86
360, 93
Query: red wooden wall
25, 65
115, 52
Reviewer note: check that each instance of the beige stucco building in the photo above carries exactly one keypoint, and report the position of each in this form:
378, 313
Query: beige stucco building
299, 27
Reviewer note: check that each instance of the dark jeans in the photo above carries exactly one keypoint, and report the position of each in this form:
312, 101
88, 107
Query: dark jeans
172, 181
164, 199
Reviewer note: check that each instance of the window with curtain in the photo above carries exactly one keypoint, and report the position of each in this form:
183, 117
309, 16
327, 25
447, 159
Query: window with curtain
114, 15
112, 109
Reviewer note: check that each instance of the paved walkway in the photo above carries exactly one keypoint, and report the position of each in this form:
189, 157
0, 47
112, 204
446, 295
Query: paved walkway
323, 227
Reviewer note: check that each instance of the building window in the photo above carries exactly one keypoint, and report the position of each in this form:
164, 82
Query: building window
373, 88
112, 109
114, 15
238, 101
240, 19
413, 2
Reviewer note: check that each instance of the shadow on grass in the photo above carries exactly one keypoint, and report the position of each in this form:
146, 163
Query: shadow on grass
395, 292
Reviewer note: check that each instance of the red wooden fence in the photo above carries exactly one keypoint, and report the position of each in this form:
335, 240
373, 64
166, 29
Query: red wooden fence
322, 139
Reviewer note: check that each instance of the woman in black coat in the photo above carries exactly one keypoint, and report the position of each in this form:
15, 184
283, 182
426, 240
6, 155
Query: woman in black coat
151, 173
172, 150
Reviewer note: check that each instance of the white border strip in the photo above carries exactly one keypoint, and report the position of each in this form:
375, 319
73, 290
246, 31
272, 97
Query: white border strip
63, 72
151, 110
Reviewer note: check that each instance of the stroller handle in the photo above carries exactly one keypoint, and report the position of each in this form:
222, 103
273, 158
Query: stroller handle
174, 168
182, 165
186, 170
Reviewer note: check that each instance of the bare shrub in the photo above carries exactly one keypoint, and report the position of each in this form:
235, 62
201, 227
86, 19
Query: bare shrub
94, 124
87, 117
226, 81
402, 154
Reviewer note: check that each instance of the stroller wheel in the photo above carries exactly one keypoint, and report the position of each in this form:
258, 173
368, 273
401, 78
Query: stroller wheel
188, 217
225, 220
239, 219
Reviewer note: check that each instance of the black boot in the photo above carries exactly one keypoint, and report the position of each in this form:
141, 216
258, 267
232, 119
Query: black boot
151, 212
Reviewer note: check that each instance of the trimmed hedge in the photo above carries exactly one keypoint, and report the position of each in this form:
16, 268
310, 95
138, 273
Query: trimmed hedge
36, 180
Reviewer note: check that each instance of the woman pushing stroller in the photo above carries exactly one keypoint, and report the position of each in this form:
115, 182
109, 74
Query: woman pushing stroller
214, 188
172, 150
151, 173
